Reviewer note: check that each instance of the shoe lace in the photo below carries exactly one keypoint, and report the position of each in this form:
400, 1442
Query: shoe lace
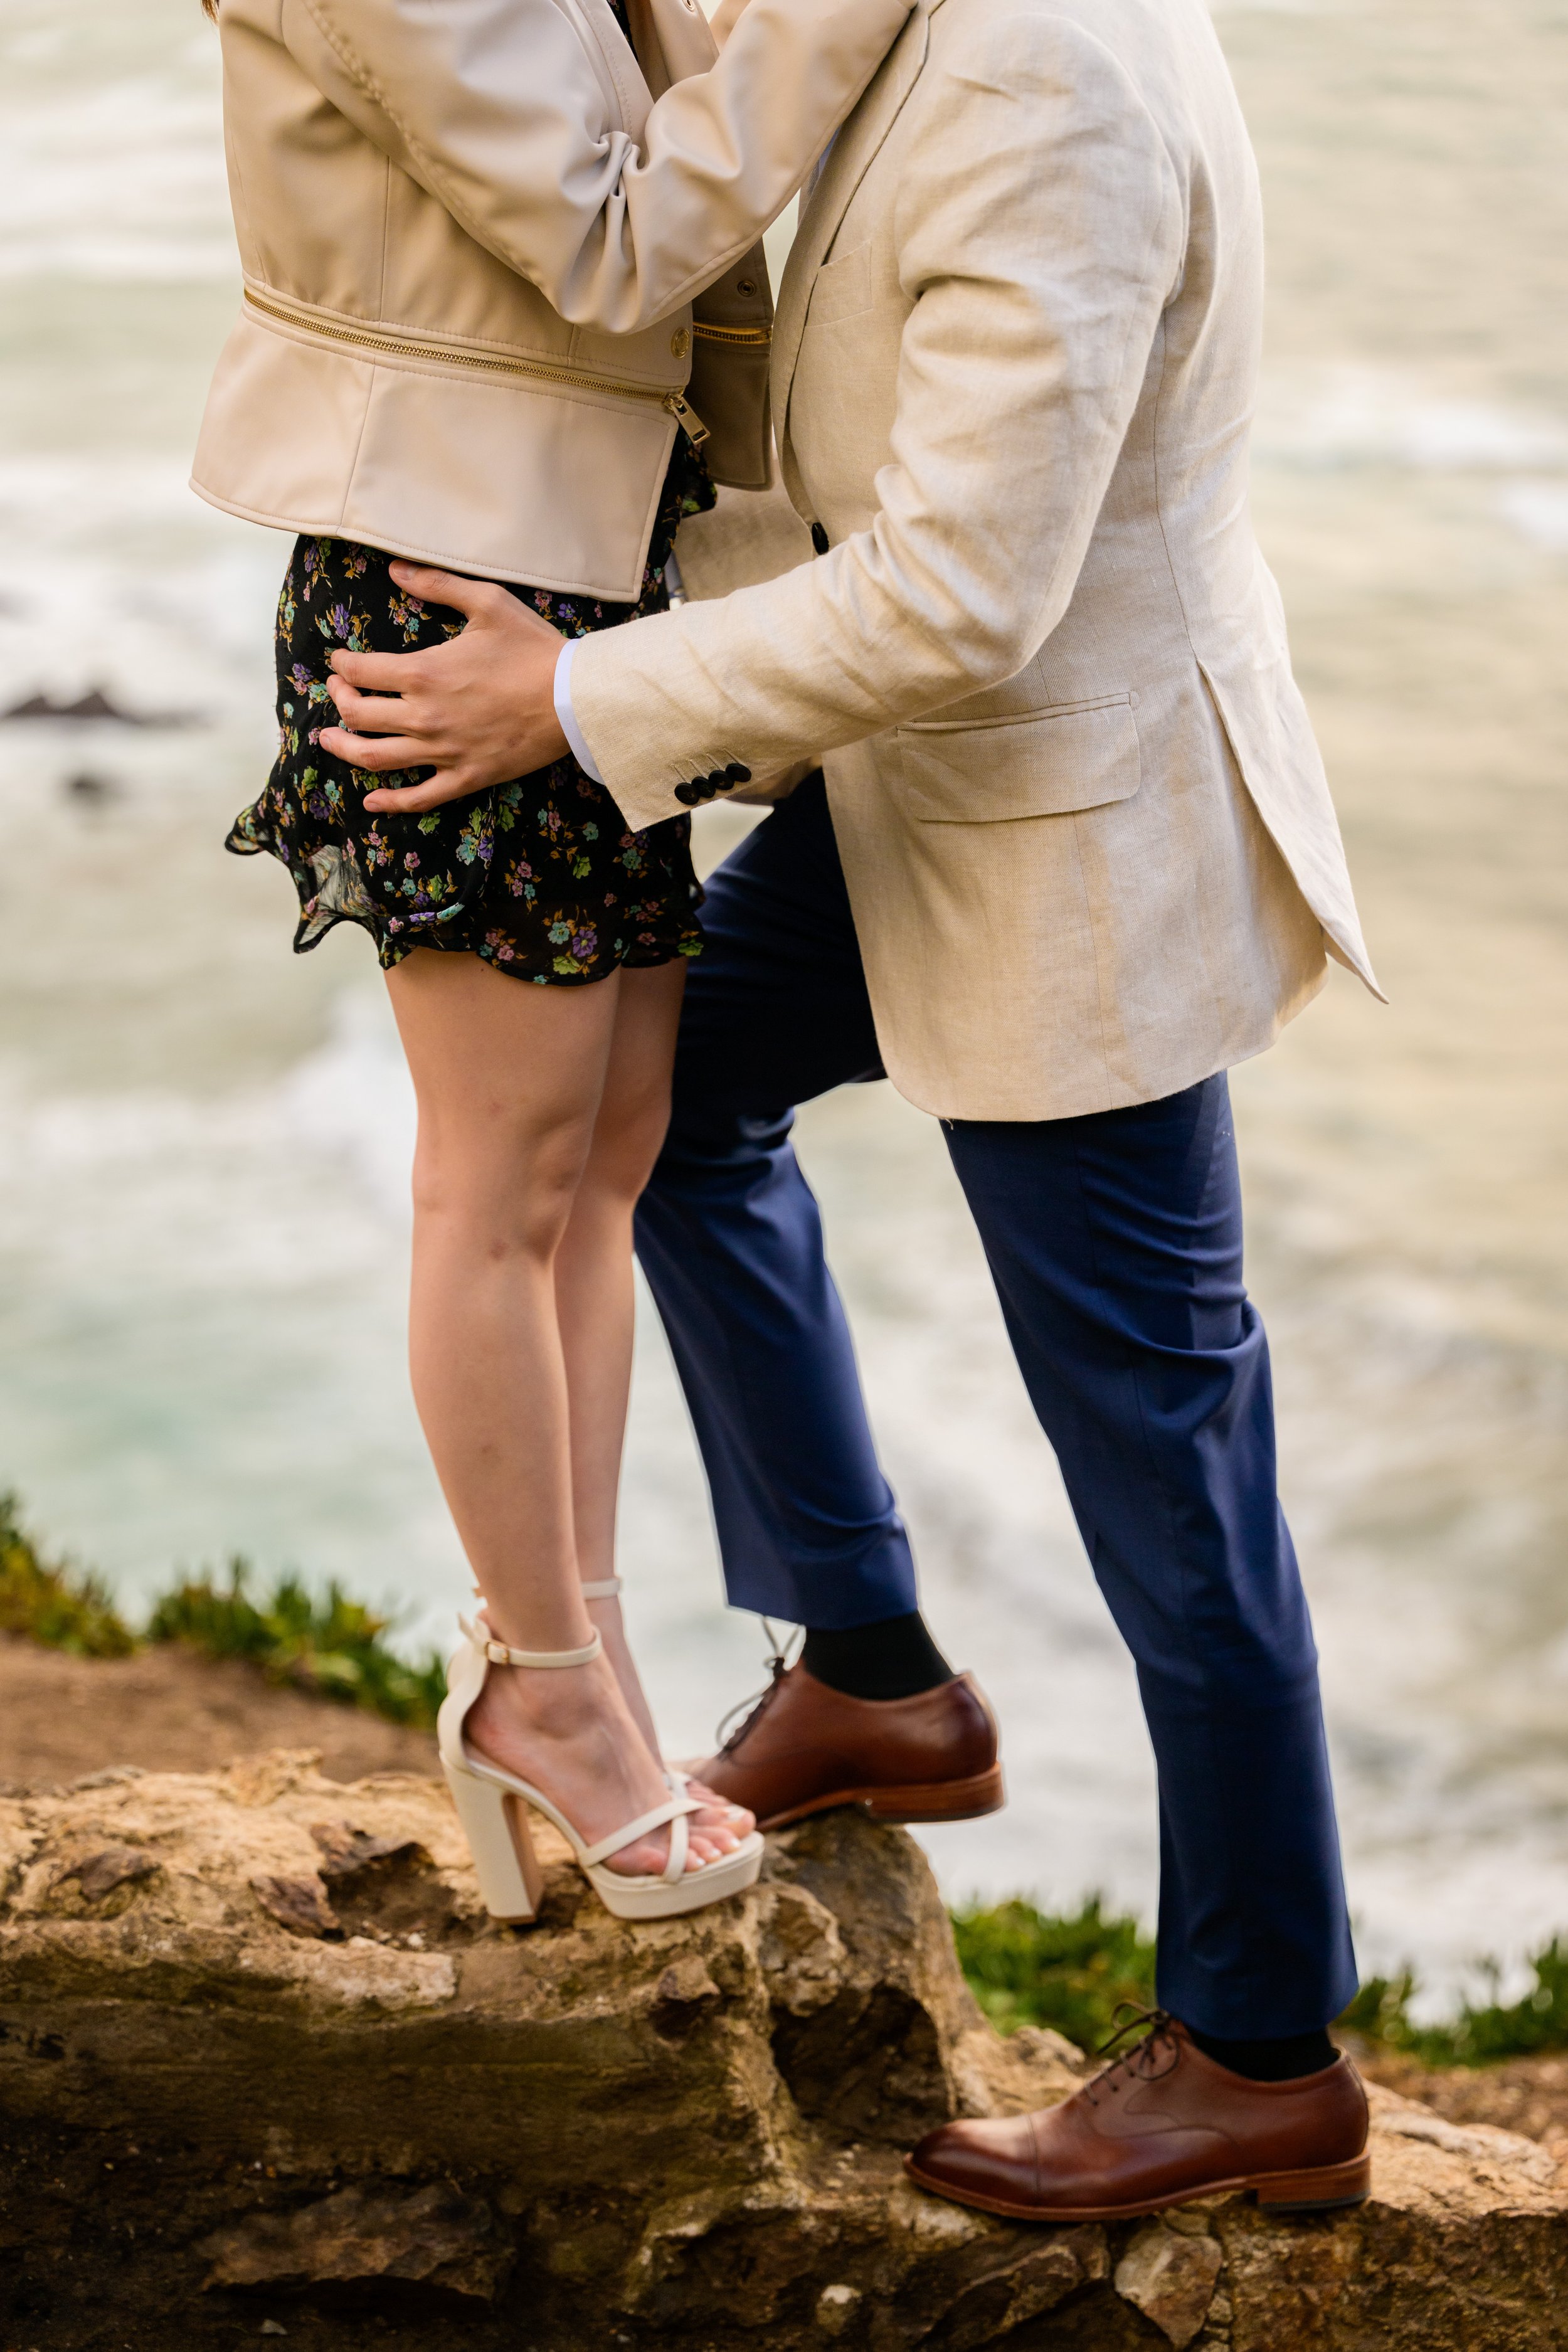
1143, 2060
779, 1664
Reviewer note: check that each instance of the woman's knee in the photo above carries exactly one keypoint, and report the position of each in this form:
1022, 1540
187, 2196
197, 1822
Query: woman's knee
508, 1187
634, 1112
626, 1142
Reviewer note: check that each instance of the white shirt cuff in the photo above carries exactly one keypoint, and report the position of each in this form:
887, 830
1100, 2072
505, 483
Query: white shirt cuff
567, 716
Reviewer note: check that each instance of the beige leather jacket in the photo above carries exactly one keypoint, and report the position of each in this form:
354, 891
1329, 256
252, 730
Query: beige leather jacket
471, 232
1086, 830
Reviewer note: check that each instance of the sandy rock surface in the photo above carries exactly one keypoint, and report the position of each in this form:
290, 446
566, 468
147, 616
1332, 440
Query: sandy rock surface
266, 2066
169, 1710
1529, 2095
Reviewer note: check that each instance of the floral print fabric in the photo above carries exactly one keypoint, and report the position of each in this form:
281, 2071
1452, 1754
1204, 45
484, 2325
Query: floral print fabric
540, 877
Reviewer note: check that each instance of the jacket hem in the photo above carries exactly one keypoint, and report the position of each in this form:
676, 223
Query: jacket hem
1107, 1092
468, 566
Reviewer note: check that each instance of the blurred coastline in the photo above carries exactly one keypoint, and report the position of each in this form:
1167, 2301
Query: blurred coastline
203, 1141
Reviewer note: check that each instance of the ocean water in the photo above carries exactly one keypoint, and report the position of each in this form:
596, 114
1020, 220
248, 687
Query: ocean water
204, 1142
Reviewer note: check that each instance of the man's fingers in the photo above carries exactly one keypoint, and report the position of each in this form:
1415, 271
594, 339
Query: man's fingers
452, 784
377, 753
470, 597
373, 714
375, 673
450, 708
480, 599
385, 755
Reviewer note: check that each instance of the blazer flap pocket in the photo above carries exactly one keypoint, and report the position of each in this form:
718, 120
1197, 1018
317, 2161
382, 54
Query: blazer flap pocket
1047, 764
842, 288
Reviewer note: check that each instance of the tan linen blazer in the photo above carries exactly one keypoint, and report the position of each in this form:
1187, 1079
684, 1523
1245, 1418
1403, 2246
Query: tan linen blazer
471, 232
1086, 829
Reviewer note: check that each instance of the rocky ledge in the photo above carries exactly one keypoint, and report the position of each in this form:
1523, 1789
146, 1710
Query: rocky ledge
266, 2070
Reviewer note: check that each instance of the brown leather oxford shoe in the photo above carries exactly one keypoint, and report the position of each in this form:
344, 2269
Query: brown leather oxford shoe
804, 1749
1161, 2126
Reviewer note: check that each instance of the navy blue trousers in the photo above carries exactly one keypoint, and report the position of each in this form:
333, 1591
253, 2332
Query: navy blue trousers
1115, 1244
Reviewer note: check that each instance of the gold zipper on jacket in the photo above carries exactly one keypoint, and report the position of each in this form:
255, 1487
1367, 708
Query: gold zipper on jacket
541, 370
751, 335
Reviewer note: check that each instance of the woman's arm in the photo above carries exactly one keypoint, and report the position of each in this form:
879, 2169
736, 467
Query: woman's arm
507, 112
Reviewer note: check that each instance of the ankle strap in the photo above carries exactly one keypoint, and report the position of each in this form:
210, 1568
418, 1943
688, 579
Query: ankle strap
608, 1587
499, 1655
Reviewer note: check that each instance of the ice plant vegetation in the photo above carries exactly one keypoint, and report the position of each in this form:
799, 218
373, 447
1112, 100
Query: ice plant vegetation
325, 1643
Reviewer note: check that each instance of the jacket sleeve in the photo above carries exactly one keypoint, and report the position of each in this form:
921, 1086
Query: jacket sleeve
510, 114
1039, 227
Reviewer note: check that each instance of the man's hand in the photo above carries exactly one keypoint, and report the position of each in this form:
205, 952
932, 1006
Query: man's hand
478, 709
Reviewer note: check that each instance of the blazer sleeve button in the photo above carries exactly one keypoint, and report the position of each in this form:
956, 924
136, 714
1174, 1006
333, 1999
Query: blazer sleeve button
819, 539
736, 775
688, 795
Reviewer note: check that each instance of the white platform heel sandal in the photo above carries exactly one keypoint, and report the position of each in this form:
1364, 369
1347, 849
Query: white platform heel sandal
492, 1807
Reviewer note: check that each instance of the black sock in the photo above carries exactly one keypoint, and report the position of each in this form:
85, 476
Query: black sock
895, 1658
1269, 2062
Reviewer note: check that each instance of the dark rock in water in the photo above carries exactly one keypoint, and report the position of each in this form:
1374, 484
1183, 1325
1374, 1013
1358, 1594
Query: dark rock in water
260, 2046
91, 791
95, 704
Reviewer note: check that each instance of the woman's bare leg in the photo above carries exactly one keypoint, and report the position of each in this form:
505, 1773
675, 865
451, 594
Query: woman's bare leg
593, 1282
595, 1297
509, 1079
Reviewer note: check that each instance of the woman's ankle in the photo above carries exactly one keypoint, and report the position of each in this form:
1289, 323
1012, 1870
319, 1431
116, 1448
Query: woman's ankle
553, 1704
582, 1749
606, 1616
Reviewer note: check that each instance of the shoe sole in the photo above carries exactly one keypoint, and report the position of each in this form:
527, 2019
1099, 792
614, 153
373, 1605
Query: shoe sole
627, 1898
932, 1801
1321, 2189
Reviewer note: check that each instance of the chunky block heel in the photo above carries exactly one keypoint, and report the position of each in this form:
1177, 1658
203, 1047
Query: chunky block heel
1317, 2190
495, 1826
491, 1805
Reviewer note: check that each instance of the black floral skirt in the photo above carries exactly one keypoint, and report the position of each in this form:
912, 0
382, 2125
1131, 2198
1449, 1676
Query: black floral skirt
540, 877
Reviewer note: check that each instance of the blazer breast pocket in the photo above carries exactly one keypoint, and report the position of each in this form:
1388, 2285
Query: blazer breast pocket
1049, 762
842, 288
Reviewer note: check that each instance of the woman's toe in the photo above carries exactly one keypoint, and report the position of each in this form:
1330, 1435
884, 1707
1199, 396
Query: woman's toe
713, 1802
650, 1856
718, 1817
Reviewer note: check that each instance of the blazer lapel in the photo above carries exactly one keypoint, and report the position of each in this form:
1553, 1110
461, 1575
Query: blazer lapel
853, 151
